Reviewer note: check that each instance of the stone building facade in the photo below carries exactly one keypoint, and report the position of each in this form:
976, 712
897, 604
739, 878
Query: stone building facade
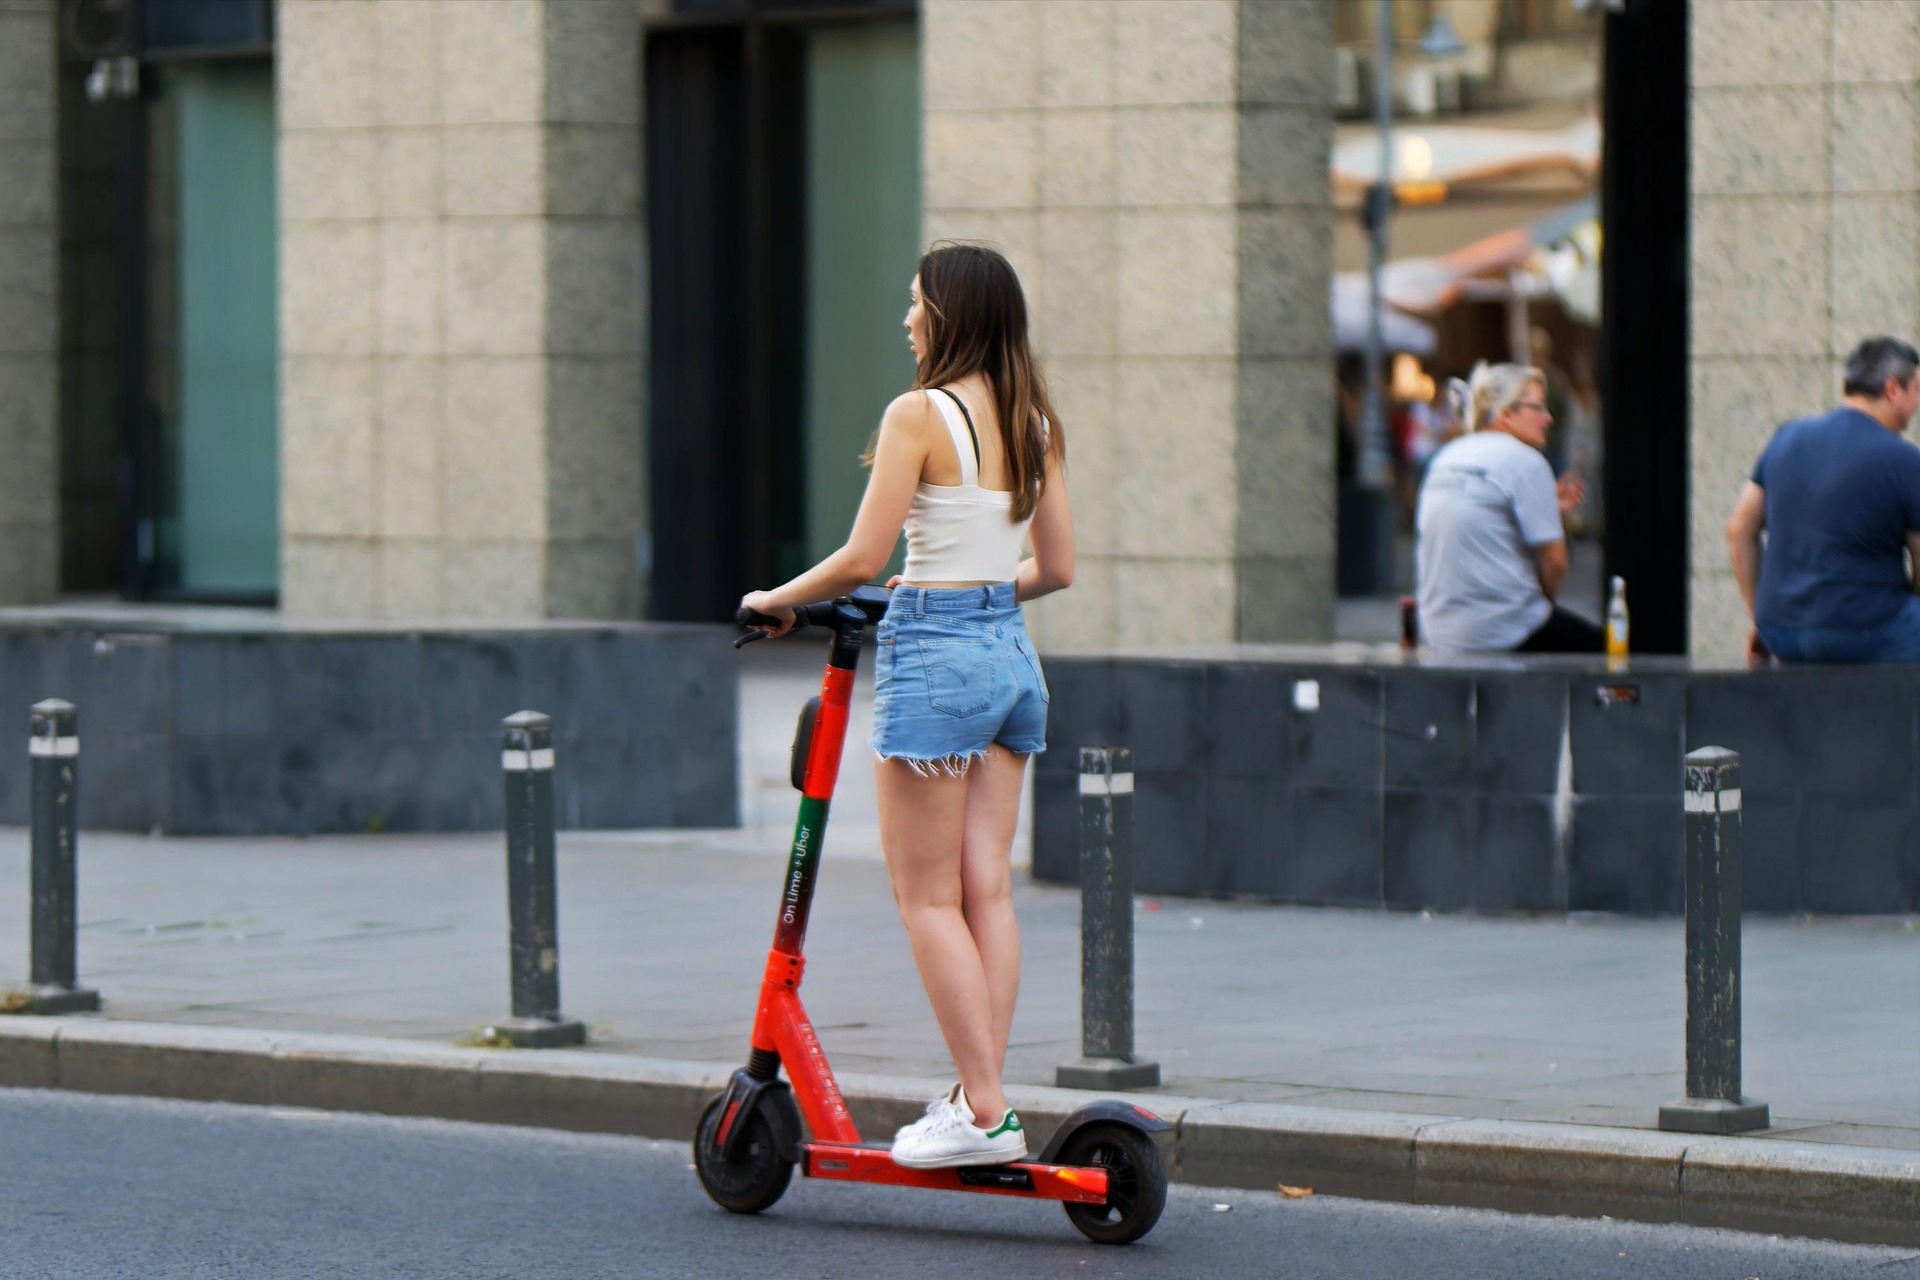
29, 304
460, 308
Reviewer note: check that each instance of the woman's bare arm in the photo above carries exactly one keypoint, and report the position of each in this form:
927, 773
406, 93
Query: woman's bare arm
898, 459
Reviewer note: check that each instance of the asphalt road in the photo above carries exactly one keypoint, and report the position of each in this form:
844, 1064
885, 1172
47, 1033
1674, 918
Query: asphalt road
120, 1187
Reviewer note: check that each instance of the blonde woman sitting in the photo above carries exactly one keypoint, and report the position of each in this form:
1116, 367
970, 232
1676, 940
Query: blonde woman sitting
1492, 549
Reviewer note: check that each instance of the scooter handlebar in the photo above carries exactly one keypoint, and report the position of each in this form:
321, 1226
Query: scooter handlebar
758, 623
761, 623
864, 606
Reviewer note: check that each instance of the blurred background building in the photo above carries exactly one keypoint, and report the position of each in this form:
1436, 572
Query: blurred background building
467, 310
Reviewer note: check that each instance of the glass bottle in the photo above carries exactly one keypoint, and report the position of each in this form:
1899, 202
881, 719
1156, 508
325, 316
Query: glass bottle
1617, 622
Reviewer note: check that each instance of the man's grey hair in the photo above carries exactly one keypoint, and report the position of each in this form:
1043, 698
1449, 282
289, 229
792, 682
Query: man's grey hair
1876, 360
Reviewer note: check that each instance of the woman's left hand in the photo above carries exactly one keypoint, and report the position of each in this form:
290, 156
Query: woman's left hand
1571, 490
762, 602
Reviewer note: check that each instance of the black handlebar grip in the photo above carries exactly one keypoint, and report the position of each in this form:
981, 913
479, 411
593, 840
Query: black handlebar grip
753, 618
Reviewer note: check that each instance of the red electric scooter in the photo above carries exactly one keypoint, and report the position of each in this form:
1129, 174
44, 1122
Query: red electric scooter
1101, 1164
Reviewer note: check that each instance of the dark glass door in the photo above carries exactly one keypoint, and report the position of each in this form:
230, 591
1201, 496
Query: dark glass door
783, 224
724, 233
1644, 380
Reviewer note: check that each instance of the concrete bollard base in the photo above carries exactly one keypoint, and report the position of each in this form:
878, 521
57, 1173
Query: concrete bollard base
1107, 1073
1713, 1115
535, 1033
50, 998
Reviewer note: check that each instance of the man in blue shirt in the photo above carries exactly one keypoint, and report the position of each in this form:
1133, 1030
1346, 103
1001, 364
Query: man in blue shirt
1838, 497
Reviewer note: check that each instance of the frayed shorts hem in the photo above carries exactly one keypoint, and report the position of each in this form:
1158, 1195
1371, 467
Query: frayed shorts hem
954, 765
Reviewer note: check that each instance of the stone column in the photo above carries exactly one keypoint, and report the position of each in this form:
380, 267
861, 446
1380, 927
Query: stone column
29, 304
1285, 413
1156, 171
1805, 236
461, 296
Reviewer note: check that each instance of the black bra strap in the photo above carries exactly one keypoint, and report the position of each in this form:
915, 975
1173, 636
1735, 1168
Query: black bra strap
975, 435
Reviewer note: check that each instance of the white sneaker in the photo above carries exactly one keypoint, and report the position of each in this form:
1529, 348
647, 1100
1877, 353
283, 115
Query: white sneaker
950, 1139
935, 1109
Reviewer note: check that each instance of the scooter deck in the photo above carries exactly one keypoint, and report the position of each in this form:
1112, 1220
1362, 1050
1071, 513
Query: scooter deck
873, 1162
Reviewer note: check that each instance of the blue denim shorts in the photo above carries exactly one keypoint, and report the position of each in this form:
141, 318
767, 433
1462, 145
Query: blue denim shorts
955, 673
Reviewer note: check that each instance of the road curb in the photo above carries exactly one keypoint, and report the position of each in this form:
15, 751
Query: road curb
1859, 1194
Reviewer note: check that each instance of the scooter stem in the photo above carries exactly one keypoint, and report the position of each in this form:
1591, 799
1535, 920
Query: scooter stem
826, 741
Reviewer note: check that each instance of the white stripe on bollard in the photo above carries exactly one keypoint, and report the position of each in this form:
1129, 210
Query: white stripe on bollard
53, 746
1703, 801
1101, 784
521, 761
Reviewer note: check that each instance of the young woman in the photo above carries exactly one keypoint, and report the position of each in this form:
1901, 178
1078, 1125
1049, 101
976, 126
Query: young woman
969, 464
1492, 551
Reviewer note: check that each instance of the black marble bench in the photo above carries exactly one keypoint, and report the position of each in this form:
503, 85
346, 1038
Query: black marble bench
223, 724
1355, 777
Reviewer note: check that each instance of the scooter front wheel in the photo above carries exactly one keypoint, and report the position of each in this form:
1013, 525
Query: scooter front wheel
1136, 1182
756, 1176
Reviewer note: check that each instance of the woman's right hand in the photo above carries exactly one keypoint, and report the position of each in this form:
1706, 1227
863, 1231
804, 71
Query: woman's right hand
1571, 490
762, 602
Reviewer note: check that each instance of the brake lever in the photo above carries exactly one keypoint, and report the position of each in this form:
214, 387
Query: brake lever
750, 637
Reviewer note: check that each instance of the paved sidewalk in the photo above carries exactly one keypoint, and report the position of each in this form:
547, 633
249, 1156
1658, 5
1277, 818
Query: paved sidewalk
663, 936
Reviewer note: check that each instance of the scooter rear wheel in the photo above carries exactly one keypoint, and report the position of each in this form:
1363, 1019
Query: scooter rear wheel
756, 1176
1136, 1183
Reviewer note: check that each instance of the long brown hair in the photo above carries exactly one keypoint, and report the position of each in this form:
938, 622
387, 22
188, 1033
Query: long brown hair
977, 323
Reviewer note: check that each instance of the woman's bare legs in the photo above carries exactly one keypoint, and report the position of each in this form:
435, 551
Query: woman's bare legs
938, 833
986, 885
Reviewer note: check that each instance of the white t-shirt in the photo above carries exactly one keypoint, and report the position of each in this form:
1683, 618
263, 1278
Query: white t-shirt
1487, 502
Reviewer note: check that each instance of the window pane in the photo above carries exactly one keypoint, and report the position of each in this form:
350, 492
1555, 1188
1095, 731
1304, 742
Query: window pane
219, 450
863, 243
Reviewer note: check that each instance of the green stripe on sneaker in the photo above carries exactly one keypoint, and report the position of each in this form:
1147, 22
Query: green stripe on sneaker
1009, 1125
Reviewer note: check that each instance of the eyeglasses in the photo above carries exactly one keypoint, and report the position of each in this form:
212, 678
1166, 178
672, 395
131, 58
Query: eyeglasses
1534, 405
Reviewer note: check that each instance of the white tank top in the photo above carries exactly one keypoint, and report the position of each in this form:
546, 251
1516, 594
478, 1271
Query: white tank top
961, 532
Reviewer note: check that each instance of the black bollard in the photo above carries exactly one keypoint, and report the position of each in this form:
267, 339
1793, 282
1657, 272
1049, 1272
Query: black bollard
526, 760
1106, 929
1713, 1103
53, 757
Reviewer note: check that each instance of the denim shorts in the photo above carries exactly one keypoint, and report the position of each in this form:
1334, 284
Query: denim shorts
955, 673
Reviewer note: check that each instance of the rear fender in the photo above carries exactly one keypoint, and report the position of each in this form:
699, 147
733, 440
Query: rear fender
1106, 1111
